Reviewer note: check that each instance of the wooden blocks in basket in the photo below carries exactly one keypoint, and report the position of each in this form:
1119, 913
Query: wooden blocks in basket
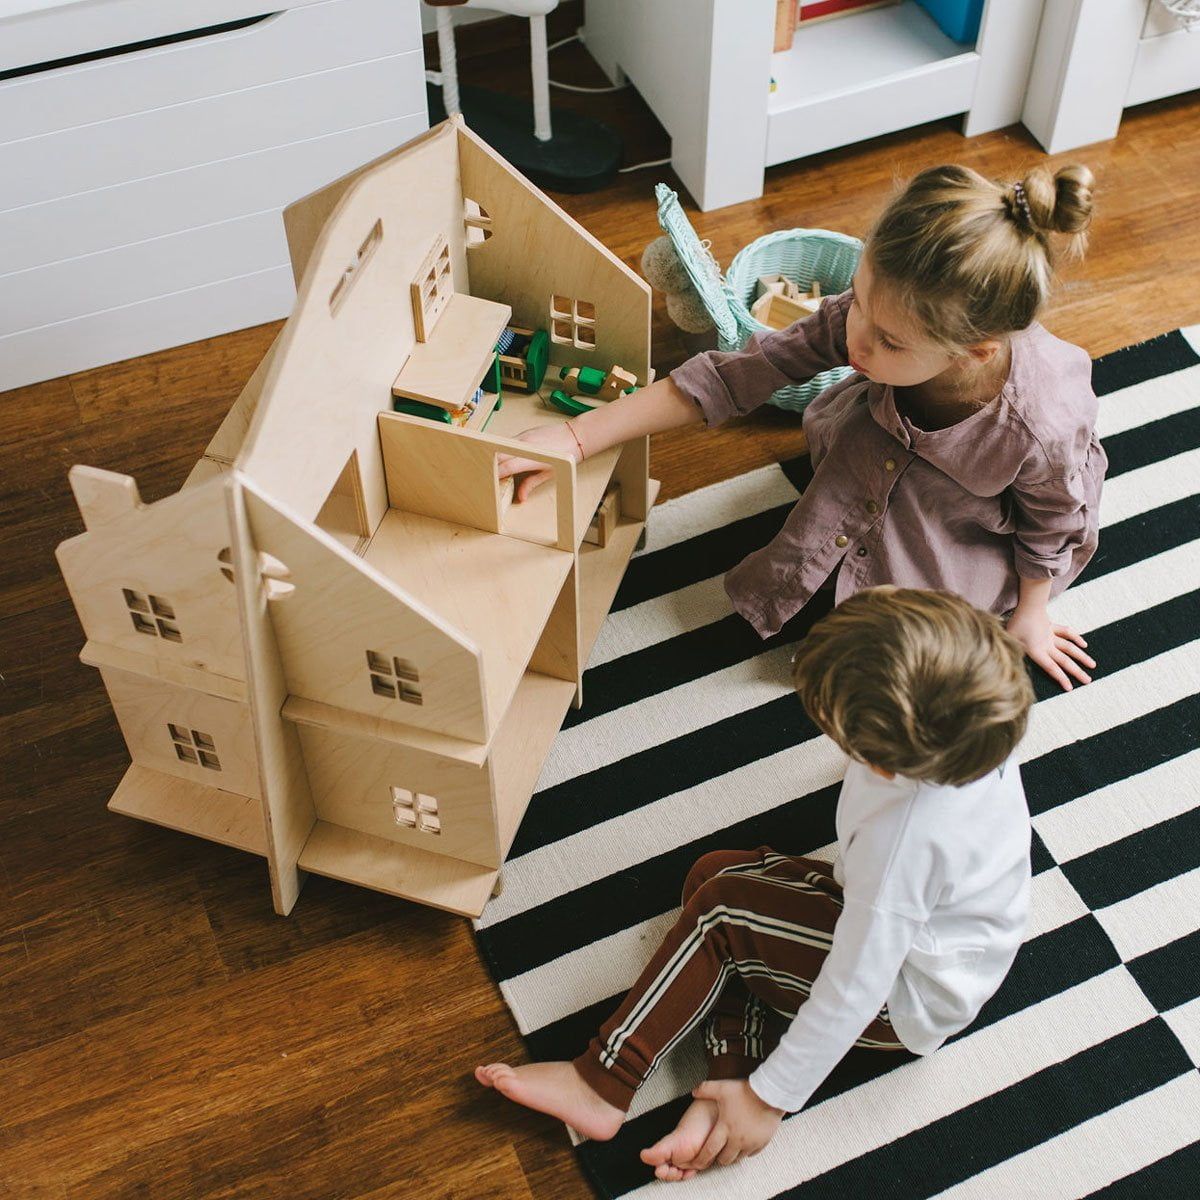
781, 306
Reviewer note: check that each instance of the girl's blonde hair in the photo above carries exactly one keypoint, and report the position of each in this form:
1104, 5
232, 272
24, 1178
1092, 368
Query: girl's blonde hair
972, 259
915, 682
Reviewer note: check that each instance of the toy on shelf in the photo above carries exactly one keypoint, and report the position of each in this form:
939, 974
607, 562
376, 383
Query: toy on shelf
780, 306
605, 519
340, 646
590, 381
523, 356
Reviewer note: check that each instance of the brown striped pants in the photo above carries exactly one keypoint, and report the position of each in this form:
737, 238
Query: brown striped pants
754, 932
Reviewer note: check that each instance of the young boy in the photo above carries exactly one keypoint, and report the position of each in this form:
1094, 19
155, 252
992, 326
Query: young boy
898, 946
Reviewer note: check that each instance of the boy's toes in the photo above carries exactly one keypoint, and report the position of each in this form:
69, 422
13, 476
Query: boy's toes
489, 1074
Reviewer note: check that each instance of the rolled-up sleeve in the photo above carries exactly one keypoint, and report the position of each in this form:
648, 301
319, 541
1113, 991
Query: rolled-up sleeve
733, 383
1052, 522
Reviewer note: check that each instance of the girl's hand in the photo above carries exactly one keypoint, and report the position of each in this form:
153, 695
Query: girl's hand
1057, 649
534, 474
745, 1124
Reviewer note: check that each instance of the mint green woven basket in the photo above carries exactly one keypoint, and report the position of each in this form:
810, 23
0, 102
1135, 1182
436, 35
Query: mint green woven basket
803, 255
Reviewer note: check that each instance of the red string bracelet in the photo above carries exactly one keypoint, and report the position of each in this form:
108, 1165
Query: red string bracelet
572, 432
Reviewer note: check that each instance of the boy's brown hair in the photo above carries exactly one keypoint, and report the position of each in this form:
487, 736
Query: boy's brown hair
919, 683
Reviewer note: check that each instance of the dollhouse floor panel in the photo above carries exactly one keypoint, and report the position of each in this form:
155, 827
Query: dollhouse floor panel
498, 591
206, 812
404, 871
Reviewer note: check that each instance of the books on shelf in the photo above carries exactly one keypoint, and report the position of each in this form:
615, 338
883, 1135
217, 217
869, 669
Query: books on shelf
818, 10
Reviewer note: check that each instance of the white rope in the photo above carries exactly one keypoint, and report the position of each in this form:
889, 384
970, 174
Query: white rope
449, 64
541, 72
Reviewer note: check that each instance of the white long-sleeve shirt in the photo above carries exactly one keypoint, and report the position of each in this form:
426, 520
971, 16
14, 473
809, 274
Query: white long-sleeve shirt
936, 886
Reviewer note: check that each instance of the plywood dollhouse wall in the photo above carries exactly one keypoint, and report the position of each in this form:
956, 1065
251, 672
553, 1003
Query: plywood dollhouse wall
353, 328
536, 253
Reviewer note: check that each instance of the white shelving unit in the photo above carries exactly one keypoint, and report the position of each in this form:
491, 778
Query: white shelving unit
704, 67
1095, 58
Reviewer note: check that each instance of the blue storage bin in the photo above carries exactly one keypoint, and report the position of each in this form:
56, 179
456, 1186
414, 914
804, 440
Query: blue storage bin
959, 19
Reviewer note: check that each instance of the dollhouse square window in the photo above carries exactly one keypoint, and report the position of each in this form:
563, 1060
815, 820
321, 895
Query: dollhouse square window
573, 322
194, 746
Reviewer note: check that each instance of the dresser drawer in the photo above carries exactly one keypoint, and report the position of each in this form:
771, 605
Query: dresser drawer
35, 170
284, 45
42, 31
99, 220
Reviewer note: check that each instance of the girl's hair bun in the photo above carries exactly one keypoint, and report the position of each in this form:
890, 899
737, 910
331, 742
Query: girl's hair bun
1055, 203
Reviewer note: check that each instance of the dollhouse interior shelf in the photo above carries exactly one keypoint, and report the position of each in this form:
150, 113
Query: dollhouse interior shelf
497, 590
447, 369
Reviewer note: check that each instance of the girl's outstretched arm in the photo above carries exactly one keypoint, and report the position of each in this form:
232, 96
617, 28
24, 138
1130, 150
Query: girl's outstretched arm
662, 405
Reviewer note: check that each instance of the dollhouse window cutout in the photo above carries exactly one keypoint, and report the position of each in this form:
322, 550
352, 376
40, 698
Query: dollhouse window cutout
225, 558
396, 678
351, 274
573, 322
192, 746
477, 223
431, 288
152, 615
414, 810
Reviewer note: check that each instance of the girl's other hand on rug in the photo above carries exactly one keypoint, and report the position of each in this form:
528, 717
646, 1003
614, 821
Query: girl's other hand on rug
1057, 649
671, 1156
745, 1124
558, 1089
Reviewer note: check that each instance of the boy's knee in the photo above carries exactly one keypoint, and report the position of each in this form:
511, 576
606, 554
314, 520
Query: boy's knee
706, 870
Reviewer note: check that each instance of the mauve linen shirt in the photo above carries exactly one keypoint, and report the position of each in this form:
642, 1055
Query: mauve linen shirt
1010, 492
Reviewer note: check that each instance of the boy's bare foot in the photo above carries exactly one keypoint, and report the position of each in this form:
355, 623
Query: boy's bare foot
670, 1155
558, 1089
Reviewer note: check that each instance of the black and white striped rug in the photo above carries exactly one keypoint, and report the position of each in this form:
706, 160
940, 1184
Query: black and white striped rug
1080, 1076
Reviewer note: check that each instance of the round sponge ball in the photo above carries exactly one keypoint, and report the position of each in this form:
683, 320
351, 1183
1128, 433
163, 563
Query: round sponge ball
687, 310
662, 268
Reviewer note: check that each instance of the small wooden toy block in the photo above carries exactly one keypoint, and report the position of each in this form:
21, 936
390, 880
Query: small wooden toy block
778, 312
340, 646
615, 383
776, 285
605, 519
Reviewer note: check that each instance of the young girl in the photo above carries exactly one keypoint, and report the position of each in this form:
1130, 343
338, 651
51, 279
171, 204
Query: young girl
962, 453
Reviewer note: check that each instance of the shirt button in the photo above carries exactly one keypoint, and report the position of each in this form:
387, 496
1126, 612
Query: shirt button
841, 540
862, 552
872, 507
889, 464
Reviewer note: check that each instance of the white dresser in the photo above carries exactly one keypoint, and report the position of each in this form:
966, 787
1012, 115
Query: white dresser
147, 148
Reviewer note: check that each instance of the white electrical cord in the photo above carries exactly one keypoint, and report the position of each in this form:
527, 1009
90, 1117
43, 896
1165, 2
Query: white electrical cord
573, 87
657, 162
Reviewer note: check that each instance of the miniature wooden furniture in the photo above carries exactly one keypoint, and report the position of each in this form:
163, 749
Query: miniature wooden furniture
339, 645
525, 369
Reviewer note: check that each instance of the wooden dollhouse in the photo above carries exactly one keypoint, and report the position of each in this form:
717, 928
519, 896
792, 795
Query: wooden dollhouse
340, 645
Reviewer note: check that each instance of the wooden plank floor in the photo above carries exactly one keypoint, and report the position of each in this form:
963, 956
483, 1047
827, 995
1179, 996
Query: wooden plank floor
163, 1033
